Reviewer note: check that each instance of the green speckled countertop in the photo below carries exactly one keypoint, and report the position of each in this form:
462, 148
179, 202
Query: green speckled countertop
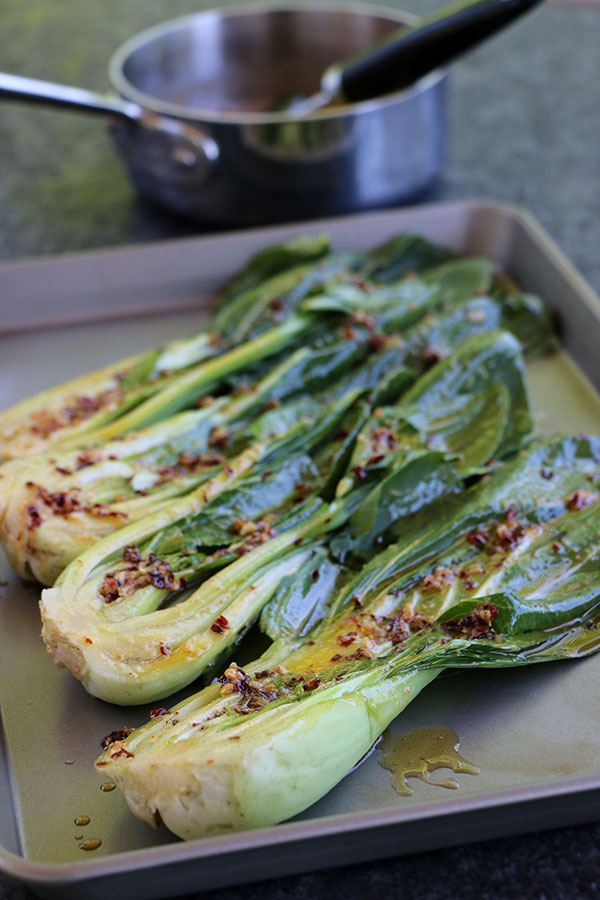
525, 129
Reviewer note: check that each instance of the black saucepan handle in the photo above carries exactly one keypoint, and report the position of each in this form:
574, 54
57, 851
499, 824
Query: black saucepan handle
413, 51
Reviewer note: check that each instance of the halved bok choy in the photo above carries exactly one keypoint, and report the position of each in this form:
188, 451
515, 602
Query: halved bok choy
260, 316
117, 616
509, 577
262, 295
54, 505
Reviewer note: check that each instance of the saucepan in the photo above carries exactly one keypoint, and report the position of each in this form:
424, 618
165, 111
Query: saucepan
212, 122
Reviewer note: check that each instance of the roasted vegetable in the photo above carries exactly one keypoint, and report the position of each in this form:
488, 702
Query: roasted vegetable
344, 456
53, 506
78, 412
510, 578
102, 618
259, 319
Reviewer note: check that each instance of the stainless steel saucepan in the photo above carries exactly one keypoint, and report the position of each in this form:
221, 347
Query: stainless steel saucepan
201, 122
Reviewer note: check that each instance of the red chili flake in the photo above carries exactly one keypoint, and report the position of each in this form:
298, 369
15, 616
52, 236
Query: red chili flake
349, 332
341, 435
346, 639
555, 547
359, 473
227, 470
266, 474
85, 459
360, 283
375, 459
314, 575
469, 585
87, 641
201, 402
357, 602
580, 499
272, 404
547, 474
276, 304
109, 589
114, 736
430, 356
121, 752
312, 684
220, 437
376, 342
361, 653
162, 711
336, 657
35, 520
220, 625
478, 624
63, 470
298, 541
478, 538
131, 554
509, 534
164, 651
60, 502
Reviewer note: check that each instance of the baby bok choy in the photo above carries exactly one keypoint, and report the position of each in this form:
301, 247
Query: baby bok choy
54, 505
510, 577
259, 298
260, 316
119, 616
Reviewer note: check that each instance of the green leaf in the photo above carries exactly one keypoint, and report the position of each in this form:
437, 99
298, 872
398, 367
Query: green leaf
302, 599
401, 494
400, 256
273, 260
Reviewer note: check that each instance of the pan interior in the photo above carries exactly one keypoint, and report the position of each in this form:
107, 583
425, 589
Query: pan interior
250, 62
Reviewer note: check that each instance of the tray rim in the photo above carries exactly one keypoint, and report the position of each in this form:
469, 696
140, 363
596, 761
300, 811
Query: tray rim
38, 873
35, 872
17, 268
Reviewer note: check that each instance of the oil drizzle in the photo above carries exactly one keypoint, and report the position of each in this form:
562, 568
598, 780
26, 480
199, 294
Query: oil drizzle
82, 820
107, 786
90, 844
418, 753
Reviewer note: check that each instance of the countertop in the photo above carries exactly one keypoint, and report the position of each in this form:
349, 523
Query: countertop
525, 129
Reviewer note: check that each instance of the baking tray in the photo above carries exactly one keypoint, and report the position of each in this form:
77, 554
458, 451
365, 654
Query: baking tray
533, 732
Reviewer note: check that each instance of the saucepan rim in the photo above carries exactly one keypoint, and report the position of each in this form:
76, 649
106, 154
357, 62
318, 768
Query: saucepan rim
116, 66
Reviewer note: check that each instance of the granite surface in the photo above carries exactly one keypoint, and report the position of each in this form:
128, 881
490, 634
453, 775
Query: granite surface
525, 113
525, 128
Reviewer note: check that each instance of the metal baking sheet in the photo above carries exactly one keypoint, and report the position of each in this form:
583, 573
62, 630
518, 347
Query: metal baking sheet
533, 732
